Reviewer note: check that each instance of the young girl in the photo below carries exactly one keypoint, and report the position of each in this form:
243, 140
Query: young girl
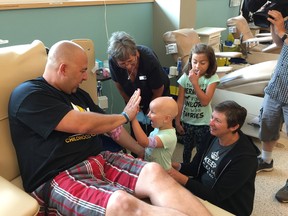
196, 89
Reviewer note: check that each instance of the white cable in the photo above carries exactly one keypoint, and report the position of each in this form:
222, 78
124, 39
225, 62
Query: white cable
107, 37
105, 18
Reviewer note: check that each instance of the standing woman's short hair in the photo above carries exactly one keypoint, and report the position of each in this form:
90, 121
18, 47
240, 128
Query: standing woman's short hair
121, 45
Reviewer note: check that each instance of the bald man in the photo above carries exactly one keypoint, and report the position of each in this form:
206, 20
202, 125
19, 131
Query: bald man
55, 129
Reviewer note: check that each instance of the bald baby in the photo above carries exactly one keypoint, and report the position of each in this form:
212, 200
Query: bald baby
166, 106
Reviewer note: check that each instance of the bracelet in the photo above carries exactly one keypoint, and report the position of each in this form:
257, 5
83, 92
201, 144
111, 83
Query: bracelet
284, 37
126, 117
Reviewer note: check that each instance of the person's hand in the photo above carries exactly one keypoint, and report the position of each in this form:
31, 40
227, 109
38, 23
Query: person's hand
180, 129
176, 165
277, 21
179, 177
194, 76
132, 106
141, 153
173, 172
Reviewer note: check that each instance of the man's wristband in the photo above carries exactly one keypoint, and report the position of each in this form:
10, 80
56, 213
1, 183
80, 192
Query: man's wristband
283, 38
126, 117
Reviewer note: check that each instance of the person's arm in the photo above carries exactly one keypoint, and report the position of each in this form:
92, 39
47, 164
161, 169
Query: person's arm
174, 173
96, 123
179, 177
128, 142
157, 92
204, 97
155, 75
277, 26
142, 138
122, 92
180, 103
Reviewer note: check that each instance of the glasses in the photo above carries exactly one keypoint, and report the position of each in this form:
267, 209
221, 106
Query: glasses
132, 61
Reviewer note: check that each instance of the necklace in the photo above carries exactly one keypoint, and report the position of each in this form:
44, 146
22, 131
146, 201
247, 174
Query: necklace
129, 74
132, 74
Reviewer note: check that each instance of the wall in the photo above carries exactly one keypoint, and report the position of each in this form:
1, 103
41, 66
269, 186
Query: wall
194, 14
53, 24
171, 15
214, 15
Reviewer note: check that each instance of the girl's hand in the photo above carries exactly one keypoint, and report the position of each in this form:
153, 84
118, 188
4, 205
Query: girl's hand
194, 76
180, 129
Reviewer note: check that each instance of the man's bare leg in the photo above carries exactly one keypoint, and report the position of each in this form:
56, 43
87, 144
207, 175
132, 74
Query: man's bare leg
122, 203
163, 191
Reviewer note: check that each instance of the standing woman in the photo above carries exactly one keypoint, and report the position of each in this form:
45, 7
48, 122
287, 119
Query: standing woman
136, 66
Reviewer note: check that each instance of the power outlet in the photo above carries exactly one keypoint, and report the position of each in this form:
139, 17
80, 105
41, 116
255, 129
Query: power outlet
234, 3
103, 102
232, 29
171, 48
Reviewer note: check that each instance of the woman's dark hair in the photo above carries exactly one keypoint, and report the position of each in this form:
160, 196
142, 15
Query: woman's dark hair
201, 48
235, 114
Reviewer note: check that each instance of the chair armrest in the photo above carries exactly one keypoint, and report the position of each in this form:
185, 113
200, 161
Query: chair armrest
228, 54
259, 40
263, 34
271, 48
15, 201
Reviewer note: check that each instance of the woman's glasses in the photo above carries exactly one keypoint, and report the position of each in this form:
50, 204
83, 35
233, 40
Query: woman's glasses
132, 61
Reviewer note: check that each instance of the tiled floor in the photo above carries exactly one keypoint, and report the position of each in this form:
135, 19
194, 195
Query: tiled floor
267, 183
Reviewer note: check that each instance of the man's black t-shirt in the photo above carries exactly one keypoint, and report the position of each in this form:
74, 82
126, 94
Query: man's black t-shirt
35, 109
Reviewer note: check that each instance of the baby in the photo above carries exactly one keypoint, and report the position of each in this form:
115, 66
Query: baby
161, 143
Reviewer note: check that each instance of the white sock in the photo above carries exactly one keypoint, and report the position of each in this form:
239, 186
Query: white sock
267, 156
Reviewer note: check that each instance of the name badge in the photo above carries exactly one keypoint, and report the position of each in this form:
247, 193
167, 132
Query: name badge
142, 78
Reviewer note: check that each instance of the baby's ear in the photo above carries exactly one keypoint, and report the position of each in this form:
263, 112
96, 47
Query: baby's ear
168, 118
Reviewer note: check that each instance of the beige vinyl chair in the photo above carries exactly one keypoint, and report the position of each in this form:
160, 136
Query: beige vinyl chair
88, 85
19, 63
184, 39
252, 46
